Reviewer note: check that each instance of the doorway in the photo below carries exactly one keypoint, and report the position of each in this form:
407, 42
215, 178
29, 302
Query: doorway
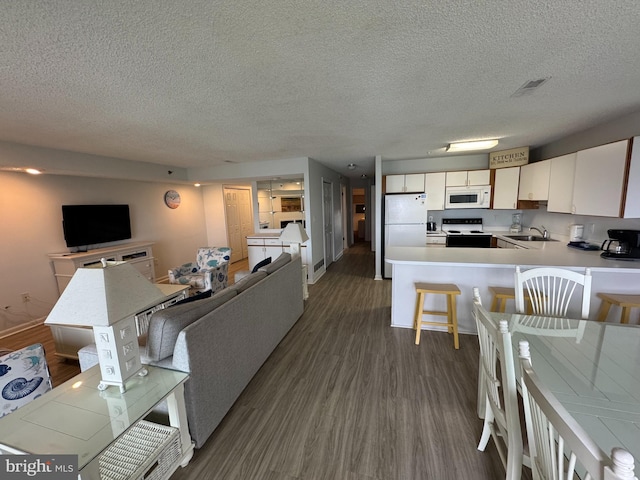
359, 215
327, 216
239, 214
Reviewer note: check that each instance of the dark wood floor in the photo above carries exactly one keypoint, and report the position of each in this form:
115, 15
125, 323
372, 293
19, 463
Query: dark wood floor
345, 396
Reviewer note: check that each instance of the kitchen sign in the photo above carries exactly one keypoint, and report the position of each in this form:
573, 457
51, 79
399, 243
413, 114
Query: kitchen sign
509, 158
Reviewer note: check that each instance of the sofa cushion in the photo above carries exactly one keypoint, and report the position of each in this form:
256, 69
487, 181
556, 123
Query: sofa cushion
261, 264
165, 325
281, 261
248, 281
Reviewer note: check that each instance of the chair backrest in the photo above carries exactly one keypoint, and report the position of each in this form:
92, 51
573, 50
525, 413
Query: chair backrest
548, 326
499, 382
211, 257
550, 290
558, 445
24, 376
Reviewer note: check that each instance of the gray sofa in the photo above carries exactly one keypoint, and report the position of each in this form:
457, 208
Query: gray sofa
222, 341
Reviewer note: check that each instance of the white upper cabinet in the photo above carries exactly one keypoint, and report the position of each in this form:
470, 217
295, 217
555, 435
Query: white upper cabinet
632, 203
467, 178
534, 181
410, 183
599, 180
561, 176
434, 187
505, 189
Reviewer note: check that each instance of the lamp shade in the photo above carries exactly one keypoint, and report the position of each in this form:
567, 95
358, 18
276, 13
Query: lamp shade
103, 295
294, 233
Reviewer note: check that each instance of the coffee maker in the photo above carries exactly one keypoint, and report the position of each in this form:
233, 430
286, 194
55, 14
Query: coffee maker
622, 245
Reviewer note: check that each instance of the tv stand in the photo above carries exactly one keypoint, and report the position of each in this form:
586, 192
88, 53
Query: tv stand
138, 254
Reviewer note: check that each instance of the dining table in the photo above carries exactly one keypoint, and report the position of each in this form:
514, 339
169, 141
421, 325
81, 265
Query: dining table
593, 368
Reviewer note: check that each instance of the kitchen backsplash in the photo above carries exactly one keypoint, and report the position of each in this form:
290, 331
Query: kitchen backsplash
595, 228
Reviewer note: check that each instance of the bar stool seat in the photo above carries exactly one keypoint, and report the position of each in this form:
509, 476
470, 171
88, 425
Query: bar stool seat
500, 295
448, 289
624, 301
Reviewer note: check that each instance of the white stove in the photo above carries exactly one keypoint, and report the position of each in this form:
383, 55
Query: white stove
465, 232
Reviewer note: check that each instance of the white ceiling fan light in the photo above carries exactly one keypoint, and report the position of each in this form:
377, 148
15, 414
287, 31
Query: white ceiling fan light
468, 146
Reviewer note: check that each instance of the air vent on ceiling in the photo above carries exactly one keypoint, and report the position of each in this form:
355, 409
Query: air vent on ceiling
530, 86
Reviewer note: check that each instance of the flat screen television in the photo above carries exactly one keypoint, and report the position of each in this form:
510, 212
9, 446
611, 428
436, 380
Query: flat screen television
85, 225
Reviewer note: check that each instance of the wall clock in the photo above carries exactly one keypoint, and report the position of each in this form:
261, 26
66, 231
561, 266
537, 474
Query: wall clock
172, 199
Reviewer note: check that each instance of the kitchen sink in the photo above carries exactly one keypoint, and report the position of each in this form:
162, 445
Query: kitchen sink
530, 238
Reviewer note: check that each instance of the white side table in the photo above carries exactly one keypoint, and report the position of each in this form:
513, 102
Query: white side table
77, 418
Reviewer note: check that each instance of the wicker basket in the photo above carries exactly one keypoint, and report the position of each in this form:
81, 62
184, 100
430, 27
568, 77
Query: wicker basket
147, 451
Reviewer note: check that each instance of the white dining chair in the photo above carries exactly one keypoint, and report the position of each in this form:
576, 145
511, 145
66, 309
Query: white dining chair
550, 290
548, 326
497, 375
558, 445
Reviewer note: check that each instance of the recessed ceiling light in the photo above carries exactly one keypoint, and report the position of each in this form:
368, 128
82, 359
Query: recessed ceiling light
467, 146
196, 184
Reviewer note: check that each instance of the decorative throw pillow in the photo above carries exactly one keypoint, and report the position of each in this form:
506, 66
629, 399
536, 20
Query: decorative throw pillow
24, 375
193, 298
261, 264
281, 261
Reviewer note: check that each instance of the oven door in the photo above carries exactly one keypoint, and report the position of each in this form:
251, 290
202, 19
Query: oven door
467, 197
469, 241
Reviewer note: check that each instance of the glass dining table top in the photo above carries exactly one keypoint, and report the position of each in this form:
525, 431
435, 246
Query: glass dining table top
593, 368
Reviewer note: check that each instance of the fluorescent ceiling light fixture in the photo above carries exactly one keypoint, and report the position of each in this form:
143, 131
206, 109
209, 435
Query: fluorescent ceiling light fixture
33, 171
466, 146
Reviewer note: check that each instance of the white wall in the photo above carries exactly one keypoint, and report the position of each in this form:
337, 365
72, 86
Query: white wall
31, 219
315, 225
215, 215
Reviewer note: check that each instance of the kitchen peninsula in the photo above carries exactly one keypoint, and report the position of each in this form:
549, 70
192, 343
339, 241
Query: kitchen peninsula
484, 267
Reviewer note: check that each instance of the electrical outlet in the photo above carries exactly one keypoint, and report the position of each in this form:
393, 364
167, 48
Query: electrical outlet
26, 297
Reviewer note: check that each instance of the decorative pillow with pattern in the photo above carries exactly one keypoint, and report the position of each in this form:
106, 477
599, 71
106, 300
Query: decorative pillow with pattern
24, 376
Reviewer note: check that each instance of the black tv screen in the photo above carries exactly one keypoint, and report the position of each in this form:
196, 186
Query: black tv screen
85, 225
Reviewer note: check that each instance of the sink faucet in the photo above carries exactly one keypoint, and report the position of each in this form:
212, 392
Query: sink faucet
543, 232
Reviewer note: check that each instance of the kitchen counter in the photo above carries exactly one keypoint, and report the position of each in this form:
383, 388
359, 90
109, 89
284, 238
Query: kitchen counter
484, 267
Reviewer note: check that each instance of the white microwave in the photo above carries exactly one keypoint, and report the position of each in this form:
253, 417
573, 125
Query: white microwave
468, 197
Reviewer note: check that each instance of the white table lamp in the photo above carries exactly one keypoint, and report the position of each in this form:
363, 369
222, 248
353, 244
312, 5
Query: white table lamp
294, 234
107, 297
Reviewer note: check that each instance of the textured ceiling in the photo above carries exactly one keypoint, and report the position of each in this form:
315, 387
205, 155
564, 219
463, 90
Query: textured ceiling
199, 82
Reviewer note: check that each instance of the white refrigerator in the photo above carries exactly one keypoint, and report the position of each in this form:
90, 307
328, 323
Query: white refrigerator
405, 222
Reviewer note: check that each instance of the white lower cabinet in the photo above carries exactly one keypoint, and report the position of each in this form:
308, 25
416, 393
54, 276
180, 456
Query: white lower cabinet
261, 248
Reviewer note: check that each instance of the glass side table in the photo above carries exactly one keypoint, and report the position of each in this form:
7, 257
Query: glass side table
77, 418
